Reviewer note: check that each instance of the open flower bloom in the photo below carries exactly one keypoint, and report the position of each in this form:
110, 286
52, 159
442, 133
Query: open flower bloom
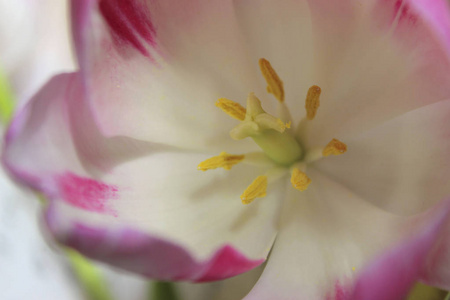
119, 147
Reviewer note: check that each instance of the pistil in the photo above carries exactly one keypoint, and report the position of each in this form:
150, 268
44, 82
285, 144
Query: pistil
269, 133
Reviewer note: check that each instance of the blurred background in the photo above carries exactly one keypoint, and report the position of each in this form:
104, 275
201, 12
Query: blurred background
35, 45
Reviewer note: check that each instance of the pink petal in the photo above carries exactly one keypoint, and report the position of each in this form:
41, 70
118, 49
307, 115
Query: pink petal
151, 256
395, 272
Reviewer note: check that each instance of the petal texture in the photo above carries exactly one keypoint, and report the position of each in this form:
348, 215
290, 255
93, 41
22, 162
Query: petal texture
128, 202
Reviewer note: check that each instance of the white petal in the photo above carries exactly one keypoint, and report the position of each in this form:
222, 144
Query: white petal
374, 60
164, 194
327, 234
281, 32
403, 165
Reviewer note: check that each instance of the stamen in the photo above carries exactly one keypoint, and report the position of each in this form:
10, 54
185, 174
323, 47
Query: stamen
274, 83
257, 189
299, 180
312, 102
233, 109
288, 124
334, 147
223, 160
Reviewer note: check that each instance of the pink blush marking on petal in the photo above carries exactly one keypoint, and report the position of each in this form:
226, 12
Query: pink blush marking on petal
392, 10
407, 16
87, 193
129, 22
340, 292
137, 14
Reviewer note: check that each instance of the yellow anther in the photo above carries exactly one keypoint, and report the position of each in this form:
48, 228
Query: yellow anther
223, 160
257, 189
288, 124
299, 180
312, 102
274, 83
334, 147
233, 109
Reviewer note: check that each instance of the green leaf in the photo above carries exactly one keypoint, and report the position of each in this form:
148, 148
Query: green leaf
6, 99
162, 290
448, 297
422, 291
89, 277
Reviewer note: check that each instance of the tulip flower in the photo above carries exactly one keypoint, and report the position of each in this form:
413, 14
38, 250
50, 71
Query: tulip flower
199, 136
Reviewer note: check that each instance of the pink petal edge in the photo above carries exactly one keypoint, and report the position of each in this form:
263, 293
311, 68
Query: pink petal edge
151, 256
391, 276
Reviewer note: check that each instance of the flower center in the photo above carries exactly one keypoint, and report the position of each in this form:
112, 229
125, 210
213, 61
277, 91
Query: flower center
274, 136
266, 130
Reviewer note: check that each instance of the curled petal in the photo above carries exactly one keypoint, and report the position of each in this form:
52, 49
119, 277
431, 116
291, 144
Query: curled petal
150, 255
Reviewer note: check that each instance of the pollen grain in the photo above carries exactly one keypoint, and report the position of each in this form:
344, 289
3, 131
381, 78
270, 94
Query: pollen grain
223, 160
256, 189
299, 180
231, 108
274, 83
312, 102
334, 147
